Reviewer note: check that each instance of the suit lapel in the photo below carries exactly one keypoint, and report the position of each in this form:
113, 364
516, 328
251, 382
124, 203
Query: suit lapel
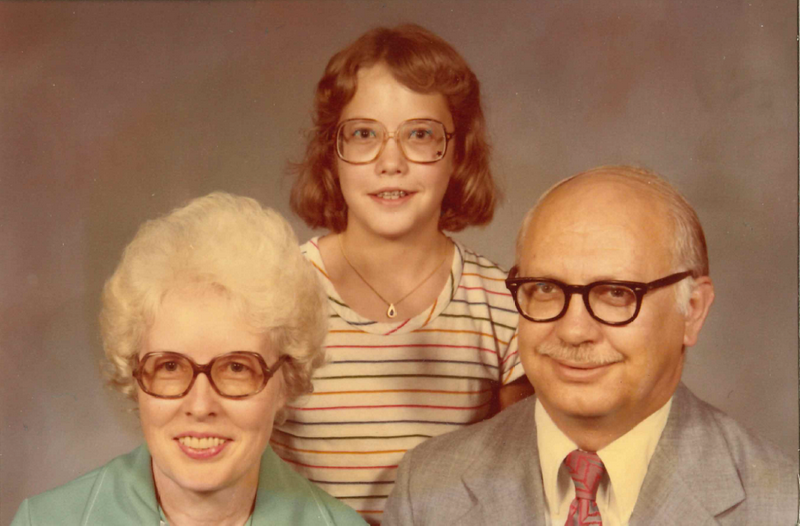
691, 477
508, 482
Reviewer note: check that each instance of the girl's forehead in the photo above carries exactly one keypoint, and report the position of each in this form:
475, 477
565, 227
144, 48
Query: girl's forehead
380, 96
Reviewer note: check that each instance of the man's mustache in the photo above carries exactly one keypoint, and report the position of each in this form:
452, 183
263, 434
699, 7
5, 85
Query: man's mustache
583, 354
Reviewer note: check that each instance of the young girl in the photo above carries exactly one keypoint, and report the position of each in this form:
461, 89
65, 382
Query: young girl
422, 330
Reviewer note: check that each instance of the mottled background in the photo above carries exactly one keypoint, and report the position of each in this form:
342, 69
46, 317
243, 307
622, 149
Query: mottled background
112, 113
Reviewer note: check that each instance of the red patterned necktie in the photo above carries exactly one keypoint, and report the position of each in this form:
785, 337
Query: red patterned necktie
586, 470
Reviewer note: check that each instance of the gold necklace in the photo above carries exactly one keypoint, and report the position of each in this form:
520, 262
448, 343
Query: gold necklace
391, 312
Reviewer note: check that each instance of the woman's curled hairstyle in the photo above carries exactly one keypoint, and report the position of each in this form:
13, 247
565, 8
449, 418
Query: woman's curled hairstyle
220, 244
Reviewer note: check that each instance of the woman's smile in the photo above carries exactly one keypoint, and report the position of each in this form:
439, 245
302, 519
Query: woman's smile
183, 434
202, 448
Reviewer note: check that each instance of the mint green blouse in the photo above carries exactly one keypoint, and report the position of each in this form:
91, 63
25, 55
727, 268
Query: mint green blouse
122, 493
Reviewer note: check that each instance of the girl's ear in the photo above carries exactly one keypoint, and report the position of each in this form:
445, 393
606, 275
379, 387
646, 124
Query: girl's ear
699, 304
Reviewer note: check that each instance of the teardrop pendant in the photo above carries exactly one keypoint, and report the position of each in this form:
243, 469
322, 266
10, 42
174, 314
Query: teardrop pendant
392, 312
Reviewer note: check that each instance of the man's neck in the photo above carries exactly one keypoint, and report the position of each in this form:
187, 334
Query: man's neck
593, 434
626, 460
589, 435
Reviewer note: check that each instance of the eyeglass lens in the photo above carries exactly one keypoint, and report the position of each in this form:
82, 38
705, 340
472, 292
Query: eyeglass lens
170, 374
361, 141
543, 300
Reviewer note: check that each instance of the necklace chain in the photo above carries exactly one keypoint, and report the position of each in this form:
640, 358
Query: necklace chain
391, 312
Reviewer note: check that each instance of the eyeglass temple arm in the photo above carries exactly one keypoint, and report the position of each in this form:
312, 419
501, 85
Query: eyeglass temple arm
669, 280
277, 365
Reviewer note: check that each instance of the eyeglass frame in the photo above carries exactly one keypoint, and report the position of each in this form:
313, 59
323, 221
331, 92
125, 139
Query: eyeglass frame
197, 369
514, 283
392, 135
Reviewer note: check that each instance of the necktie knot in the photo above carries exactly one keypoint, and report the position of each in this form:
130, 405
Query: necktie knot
586, 470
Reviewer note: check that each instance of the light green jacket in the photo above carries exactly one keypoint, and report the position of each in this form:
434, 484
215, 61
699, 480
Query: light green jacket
122, 493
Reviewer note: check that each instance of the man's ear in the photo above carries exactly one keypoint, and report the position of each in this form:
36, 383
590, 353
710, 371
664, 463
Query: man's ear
699, 304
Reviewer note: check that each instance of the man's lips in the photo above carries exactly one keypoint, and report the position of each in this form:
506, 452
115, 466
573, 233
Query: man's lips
580, 371
582, 366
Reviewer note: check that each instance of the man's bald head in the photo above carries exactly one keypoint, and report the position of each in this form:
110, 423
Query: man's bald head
689, 244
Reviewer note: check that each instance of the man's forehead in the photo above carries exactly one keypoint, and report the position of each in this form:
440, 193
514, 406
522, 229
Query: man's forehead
604, 223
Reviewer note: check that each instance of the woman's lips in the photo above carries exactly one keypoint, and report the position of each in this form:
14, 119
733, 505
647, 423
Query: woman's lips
201, 448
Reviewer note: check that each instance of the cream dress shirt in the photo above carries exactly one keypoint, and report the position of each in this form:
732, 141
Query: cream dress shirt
626, 460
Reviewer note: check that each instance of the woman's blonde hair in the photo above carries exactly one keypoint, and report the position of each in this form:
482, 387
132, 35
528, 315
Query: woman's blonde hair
225, 244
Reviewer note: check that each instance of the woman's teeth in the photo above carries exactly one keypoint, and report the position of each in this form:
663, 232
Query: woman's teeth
201, 443
394, 194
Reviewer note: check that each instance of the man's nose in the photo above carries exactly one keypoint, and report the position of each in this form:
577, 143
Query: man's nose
577, 326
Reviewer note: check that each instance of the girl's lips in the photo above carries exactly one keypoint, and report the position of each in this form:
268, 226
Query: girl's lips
391, 197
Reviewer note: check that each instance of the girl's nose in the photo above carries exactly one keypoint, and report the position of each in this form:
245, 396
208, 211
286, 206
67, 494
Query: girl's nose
391, 161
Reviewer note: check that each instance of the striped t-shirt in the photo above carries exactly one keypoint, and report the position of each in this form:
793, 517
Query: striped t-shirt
389, 386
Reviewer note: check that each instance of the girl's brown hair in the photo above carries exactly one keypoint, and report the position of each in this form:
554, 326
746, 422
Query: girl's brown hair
425, 63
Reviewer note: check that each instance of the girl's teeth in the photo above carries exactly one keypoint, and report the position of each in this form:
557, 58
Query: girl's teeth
396, 194
201, 443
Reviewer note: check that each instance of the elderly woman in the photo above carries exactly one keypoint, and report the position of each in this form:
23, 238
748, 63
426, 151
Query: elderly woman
212, 322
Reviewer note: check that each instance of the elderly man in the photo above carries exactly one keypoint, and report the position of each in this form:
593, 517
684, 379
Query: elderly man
612, 286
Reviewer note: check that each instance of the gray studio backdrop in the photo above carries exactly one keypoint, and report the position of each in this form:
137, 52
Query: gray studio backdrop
112, 113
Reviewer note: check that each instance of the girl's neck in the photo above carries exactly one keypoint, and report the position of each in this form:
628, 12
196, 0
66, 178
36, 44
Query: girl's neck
231, 506
375, 275
407, 251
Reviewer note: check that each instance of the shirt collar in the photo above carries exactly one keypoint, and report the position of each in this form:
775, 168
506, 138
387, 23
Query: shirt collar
626, 460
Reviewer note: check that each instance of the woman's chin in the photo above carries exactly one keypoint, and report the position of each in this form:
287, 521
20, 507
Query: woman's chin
200, 480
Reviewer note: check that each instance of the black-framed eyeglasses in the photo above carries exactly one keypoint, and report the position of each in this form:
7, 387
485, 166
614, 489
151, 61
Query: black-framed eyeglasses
236, 375
361, 141
610, 302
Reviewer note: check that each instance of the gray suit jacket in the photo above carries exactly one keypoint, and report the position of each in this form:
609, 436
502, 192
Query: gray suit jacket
706, 469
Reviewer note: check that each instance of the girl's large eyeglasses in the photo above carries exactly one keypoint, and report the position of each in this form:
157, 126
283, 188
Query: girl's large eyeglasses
361, 141
610, 302
235, 375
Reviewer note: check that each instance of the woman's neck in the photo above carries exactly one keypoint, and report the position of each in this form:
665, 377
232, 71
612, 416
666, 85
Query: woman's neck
230, 506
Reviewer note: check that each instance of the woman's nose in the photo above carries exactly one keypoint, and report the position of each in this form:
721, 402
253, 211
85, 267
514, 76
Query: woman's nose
201, 401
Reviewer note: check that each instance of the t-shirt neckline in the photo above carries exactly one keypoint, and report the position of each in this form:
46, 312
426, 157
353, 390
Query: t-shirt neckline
361, 323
